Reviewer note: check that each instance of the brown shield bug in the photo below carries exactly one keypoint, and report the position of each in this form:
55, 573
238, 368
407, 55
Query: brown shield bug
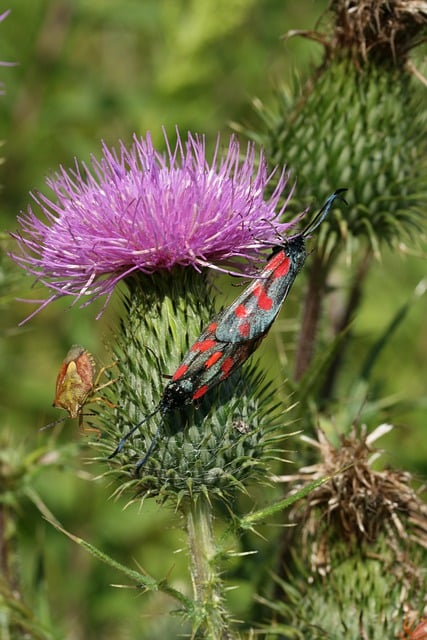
78, 384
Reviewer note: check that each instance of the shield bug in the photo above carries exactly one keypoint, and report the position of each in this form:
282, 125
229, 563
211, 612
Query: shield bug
78, 384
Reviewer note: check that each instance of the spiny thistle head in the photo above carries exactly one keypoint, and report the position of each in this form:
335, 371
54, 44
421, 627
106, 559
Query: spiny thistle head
359, 121
140, 211
155, 221
213, 447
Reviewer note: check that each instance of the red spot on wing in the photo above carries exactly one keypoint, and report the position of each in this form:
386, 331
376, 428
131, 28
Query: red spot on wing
276, 261
213, 358
182, 370
203, 346
264, 301
226, 367
244, 329
282, 268
241, 311
200, 392
212, 327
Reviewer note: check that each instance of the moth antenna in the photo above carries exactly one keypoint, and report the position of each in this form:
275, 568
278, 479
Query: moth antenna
317, 221
150, 450
131, 432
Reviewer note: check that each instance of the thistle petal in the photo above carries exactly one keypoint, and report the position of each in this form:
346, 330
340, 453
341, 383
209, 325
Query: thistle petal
140, 210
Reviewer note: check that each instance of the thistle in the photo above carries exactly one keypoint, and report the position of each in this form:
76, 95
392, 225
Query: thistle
357, 553
156, 221
138, 211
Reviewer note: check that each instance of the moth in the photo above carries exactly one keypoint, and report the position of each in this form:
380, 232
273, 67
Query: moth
234, 334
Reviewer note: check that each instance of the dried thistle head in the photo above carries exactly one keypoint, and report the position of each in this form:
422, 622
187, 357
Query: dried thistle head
379, 29
355, 566
376, 31
358, 504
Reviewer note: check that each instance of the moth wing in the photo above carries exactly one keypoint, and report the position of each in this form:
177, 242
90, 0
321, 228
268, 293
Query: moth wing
221, 363
252, 314
207, 369
209, 361
193, 361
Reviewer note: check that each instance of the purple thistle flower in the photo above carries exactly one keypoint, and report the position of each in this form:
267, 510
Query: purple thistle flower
140, 210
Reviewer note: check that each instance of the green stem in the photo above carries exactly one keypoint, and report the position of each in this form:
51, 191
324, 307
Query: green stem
263, 515
8, 556
349, 312
210, 617
311, 315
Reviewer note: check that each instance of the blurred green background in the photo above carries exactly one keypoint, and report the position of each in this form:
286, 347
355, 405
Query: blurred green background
92, 70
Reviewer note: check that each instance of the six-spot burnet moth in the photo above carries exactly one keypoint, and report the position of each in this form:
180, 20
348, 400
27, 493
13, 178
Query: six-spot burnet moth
77, 385
235, 332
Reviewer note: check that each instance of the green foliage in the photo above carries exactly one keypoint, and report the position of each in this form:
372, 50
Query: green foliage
21, 614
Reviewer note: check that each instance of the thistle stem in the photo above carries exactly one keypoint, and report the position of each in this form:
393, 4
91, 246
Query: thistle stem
311, 315
8, 560
211, 618
353, 303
